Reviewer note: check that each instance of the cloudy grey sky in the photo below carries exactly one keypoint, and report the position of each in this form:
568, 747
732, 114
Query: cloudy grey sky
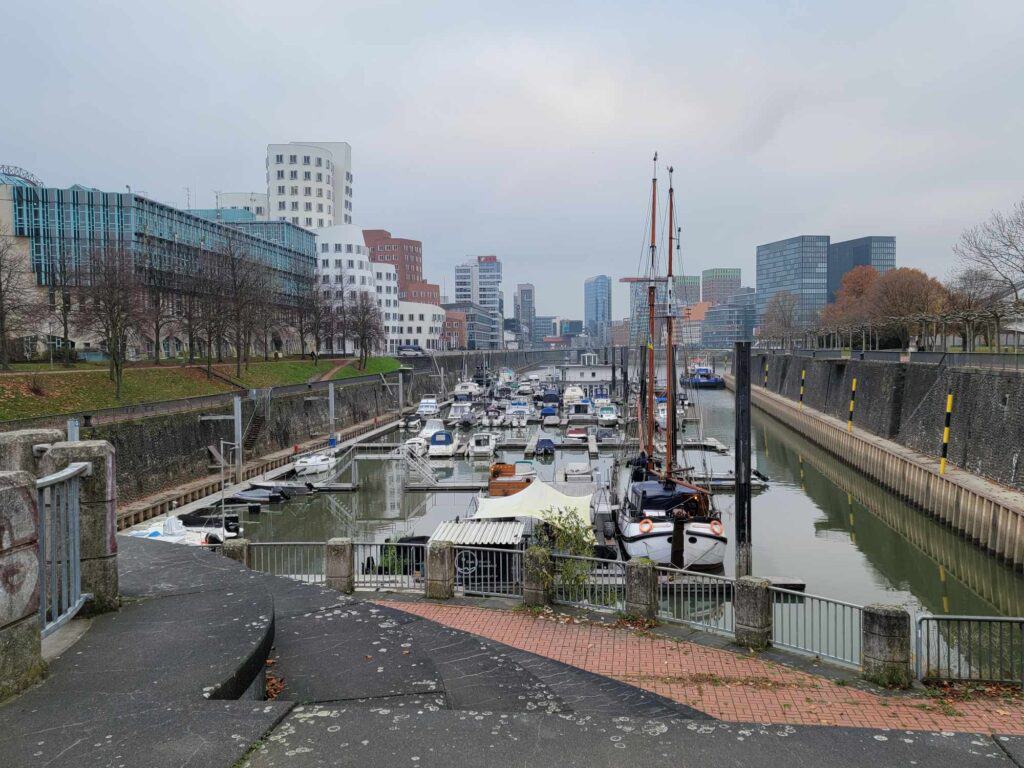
525, 129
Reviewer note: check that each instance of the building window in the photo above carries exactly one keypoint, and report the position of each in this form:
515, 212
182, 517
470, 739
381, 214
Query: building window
293, 175
292, 159
305, 159
309, 206
307, 191
281, 206
319, 192
280, 174
319, 162
319, 222
278, 159
280, 190
309, 221
295, 206
319, 207
319, 176
337, 249
295, 190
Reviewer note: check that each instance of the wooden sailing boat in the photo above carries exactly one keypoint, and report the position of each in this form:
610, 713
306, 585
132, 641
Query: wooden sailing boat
663, 516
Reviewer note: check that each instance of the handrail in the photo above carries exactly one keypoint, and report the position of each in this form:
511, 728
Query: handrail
75, 469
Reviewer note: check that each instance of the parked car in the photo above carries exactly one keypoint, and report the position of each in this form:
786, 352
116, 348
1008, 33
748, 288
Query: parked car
411, 350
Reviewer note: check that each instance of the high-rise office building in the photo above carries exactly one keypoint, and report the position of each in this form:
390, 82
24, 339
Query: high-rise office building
687, 290
544, 326
524, 308
798, 265
639, 317
873, 251
731, 321
478, 282
597, 307
719, 284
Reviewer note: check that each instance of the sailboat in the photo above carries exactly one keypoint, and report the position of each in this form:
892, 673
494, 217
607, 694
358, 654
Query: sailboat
663, 515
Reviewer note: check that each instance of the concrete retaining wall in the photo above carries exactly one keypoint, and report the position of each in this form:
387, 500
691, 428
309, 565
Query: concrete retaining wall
905, 402
989, 515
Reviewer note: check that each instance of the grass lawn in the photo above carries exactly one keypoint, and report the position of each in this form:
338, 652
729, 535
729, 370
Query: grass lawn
373, 365
275, 373
92, 390
79, 365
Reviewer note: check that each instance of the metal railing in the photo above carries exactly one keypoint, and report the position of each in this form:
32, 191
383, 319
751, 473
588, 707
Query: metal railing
390, 566
60, 574
699, 599
816, 625
489, 571
299, 560
981, 648
589, 582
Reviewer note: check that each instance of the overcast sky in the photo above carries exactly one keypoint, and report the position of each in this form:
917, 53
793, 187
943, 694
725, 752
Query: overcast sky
526, 129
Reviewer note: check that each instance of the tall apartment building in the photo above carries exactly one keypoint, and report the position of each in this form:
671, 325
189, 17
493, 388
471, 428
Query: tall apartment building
310, 183
597, 307
407, 257
798, 265
524, 309
719, 284
872, 251
478, 282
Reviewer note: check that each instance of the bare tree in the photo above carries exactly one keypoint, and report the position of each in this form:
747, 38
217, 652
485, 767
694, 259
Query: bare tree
211, 292
242, 288
188, 316
780, 318
111, 304
996, 247
17, 297
321, 317
63, 282
365, 326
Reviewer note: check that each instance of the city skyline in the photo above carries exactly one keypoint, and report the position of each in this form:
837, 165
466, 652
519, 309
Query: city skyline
858, 142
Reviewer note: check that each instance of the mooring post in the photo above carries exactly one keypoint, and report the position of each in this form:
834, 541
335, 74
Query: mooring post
615, 383
239, 451
741, 369
401, 393
945, 431
330, 406
803, 378
853, 397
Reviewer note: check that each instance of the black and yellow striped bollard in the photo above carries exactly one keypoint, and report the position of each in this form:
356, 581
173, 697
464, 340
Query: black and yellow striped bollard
853, 397
803, 376
945, 432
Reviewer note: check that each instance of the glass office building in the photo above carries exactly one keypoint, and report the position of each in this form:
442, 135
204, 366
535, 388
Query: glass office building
597, 307
873, 251
731, 321
719, 283
78, 220
798, 265
687, 290
639, 318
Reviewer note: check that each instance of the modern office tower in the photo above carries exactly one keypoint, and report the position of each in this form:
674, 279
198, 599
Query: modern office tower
731, 321
873, 251
719, 283
479, 281
687, 290
310, 183
798, 265
639, 318
597, 307
524, 309
483, 329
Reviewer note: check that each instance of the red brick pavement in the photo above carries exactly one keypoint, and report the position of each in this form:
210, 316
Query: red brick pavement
726, 685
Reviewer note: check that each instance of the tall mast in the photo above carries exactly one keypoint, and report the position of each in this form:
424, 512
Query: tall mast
670, 399
651, 374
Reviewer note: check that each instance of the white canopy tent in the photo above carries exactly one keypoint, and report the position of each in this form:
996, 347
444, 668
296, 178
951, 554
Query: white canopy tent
532, 502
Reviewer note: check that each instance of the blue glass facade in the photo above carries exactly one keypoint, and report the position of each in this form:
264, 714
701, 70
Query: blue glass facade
639, 317
874, 251
798, 265
78, 220
597, 307
731, 321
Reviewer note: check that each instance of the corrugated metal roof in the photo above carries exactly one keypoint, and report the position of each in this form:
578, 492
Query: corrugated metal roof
475, 533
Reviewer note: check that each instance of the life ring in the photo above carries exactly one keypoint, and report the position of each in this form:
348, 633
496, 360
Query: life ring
646, 525
717, 528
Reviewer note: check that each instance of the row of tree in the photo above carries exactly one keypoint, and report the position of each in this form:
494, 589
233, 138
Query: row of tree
227, 305
889, 309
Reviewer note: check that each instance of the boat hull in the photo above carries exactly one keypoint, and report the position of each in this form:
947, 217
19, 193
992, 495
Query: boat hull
701, 550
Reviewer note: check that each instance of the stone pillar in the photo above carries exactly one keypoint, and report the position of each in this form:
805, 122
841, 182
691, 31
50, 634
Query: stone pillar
16, 448
97, 516
339, 565
440, 570
237, 549
641, 589
885, 645
20, 660
752, 608
538, 575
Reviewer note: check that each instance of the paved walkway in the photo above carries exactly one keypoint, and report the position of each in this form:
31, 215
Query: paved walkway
726, 685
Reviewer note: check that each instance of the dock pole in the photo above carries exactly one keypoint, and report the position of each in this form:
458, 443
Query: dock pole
741, 370
239, 449
330, 406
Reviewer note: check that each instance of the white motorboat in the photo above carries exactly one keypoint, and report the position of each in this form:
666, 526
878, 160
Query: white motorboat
551, 421
417, 446
646, 524
483, 444
524, 390
412, 422
607, 415
173, 531
467, 387
458, 412
428, 406
519, 412
442, 445
572, 394
578, 472
432, 426
315, 464
493, 417
580, 412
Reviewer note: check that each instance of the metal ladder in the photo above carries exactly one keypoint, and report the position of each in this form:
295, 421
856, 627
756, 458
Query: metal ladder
416, 465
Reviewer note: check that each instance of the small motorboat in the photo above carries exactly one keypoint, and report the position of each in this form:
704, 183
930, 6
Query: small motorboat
315, 464
442, 445
702, 377
607, 415
551, 421
412, 422
483, 444
469, 420
506, 479
259, 495
576, 433
493, 417
212, 520
545, 447
173, 531
432, 426
416, 446
459, 410
467, 387
578, 472
572, 394
428, 406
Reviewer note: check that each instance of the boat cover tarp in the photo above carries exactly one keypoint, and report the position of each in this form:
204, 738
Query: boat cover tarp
532, 502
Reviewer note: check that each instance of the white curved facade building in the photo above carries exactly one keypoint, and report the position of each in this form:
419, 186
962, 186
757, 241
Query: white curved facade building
310, 183
416, 323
